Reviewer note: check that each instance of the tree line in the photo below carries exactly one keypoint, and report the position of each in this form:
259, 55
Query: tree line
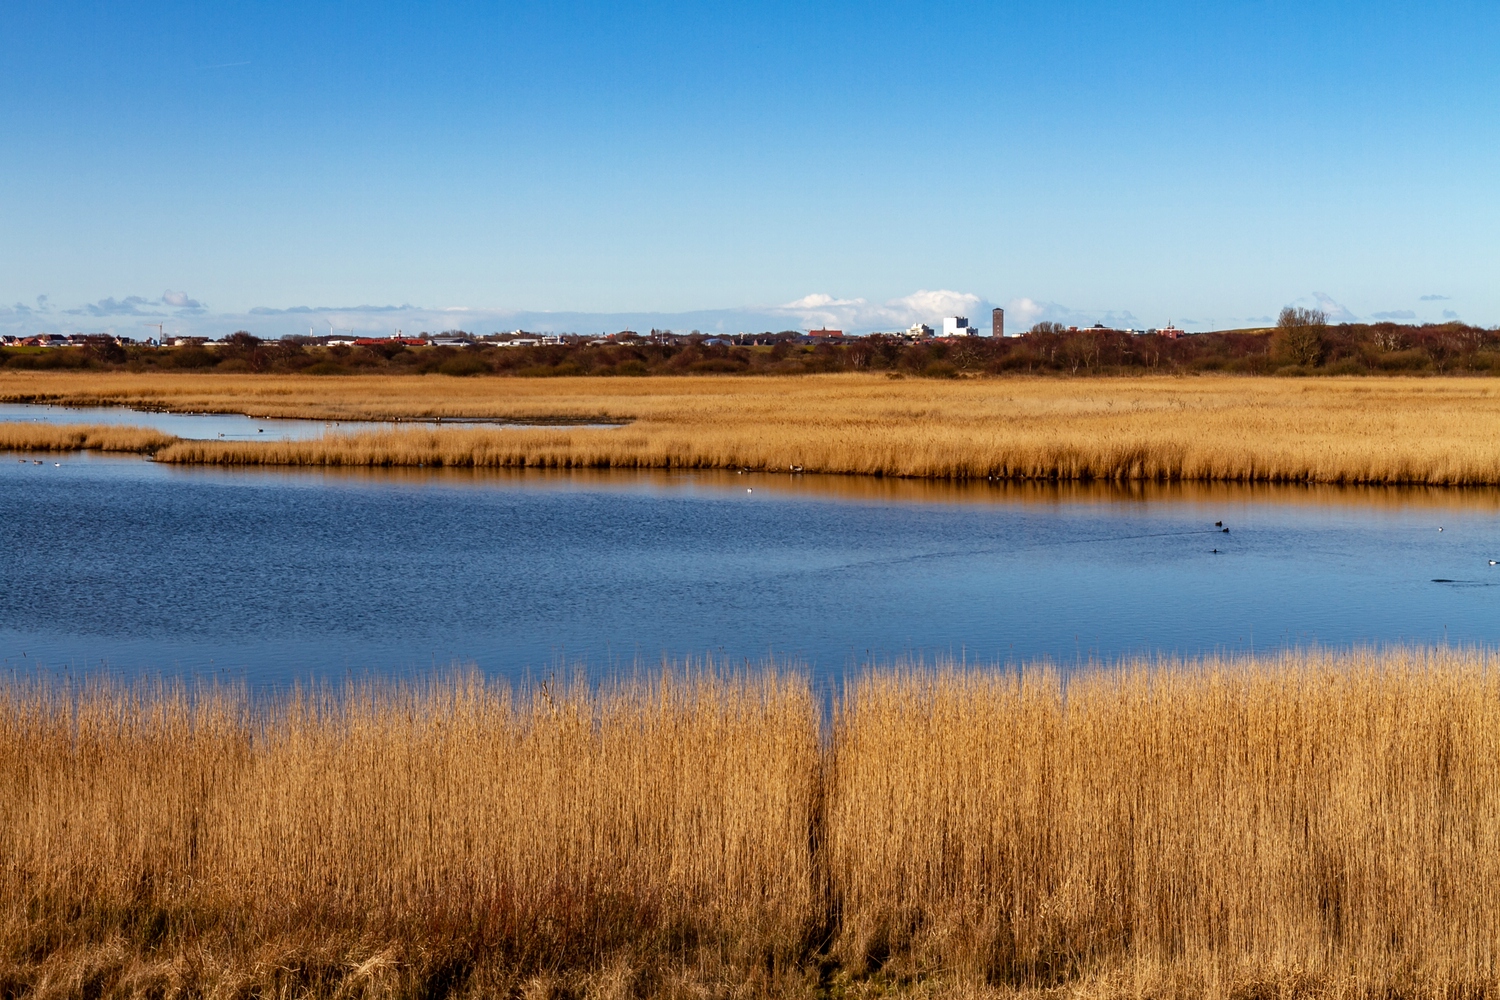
1302, 342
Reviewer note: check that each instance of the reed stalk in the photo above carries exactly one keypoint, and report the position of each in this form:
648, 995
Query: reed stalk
1334, 430
1309, 824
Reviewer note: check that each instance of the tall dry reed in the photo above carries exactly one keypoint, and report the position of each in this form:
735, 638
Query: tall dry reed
1305, 825
455, 837
1313, 823
80, 437
1348, 430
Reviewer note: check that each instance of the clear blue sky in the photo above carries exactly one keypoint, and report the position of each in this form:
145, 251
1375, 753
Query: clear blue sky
1207, 163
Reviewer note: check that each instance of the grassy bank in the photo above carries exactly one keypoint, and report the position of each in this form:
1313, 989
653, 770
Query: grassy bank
81, 437
1309, 825
1429, 431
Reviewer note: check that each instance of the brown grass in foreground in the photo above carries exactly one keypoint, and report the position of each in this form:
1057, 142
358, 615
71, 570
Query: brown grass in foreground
1353, 430
397, 841
1309, 825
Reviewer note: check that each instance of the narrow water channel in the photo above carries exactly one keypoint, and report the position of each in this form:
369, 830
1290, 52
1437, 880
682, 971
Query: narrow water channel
226, 426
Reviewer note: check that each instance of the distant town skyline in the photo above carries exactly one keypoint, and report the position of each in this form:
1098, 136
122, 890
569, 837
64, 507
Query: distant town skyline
178, 314
218, 168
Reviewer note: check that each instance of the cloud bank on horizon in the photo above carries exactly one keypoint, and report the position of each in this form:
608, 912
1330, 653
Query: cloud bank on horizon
178, 313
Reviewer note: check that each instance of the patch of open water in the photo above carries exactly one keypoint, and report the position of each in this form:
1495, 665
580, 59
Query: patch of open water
228, 426
276, 576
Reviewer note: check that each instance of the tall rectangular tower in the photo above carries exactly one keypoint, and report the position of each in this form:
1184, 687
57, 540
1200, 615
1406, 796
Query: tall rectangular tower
997, 323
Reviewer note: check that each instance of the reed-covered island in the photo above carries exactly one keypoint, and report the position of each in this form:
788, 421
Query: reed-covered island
1432, 431
1308, 824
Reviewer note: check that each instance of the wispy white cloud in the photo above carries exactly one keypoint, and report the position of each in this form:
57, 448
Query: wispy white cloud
924, 306
183, 314
1335, 311
1394, 314
1449, 314
322, 310
1434, 298
181, 304
130, 305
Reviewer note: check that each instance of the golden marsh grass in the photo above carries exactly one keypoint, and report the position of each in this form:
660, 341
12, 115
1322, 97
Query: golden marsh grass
1349, 430
80, 437
162, 842
1310, 824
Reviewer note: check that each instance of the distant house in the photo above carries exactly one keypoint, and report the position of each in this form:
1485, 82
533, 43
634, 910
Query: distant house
825, 333
383, 341
958, 326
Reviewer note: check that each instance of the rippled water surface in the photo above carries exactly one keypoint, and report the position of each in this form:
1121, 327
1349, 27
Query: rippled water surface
277, 576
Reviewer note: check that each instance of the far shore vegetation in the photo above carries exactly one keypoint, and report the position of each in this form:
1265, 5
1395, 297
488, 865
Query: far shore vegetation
1301, 342
1348, 430
1302, 825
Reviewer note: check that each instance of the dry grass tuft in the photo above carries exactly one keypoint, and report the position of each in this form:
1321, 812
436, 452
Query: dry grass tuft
1307, 826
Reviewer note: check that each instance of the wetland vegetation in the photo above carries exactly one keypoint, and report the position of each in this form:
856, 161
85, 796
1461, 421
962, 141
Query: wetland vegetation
1307, 824
1437, 431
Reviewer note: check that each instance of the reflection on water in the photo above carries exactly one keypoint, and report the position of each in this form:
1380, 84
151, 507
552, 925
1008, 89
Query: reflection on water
878, 489
278, 575
229, 426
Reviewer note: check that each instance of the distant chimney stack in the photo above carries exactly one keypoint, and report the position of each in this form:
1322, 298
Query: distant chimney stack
997, 323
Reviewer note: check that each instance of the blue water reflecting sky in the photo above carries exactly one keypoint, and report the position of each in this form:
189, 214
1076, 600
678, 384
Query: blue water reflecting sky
281, 575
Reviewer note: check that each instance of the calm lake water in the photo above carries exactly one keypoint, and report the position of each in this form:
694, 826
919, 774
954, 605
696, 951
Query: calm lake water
275, 576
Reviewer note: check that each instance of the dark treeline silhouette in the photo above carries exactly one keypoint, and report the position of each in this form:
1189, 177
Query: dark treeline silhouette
1302, 342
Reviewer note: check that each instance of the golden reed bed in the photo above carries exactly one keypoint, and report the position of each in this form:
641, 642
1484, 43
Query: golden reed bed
1310, 825
1333, 430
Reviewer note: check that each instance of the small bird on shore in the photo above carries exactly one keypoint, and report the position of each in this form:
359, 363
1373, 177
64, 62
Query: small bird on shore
1494, 563
1226, 531
749, 491
1440, 529
1218, 524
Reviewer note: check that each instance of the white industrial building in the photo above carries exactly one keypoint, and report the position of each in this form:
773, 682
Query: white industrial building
958, 326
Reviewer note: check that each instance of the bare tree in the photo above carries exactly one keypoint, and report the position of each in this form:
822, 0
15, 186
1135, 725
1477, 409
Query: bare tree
1299, 335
